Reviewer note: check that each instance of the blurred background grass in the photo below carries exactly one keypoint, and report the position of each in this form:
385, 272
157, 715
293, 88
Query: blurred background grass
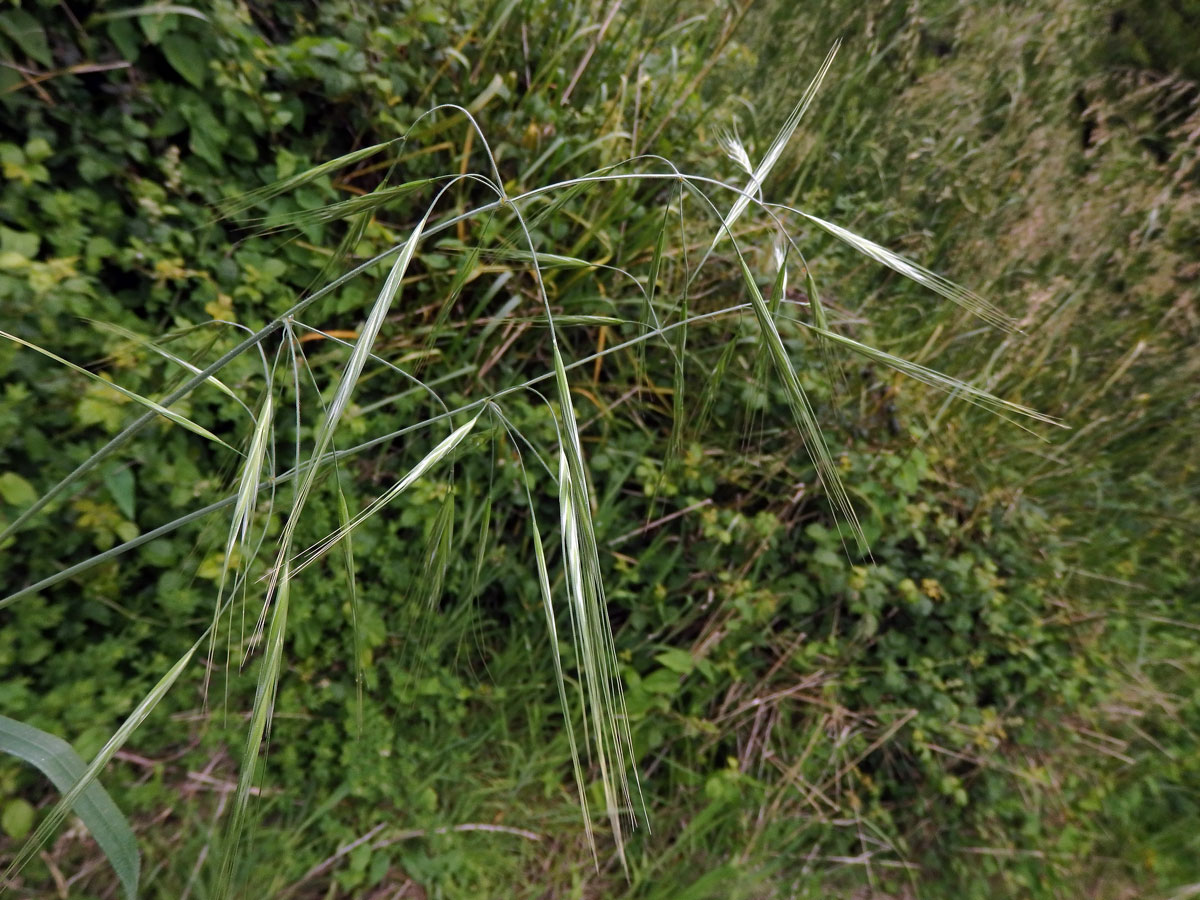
999, 700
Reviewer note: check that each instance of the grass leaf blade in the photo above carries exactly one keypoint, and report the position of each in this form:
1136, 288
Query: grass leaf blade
55, 758
71, 797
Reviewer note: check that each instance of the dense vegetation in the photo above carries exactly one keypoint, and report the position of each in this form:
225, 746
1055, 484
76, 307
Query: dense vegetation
589, 401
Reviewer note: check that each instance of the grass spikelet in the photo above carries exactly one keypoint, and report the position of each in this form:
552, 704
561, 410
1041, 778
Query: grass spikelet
965, 298
593, 635
355, 618
367, 204
123, 391
933, 378
316, 551
802, 411
260, 719
760, 173
242, 202
142, 341
543, 580
733, 147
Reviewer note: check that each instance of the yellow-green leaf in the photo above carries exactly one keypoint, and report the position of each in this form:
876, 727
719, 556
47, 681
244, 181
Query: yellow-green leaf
15, 490
17, 820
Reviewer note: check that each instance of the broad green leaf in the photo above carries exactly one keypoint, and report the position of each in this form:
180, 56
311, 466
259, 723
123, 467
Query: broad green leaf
17, 820
57, 761
678, 661
126, 37
662, 681
120, 486
25, 31
186, 57
22, 244
15, 490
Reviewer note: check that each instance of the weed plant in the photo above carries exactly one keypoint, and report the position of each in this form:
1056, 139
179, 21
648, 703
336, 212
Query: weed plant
521, 552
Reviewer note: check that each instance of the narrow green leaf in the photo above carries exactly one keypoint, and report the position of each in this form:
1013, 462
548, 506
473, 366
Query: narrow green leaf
57, 761
150, 9
81, 785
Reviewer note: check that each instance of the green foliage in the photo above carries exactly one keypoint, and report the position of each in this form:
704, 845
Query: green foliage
1152, 35
981, 689
1040, 184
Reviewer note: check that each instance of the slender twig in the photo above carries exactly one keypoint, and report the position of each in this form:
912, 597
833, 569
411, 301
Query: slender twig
612, 11
650, 526
33, 79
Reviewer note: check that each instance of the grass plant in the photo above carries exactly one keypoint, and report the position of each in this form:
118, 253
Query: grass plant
523, 519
